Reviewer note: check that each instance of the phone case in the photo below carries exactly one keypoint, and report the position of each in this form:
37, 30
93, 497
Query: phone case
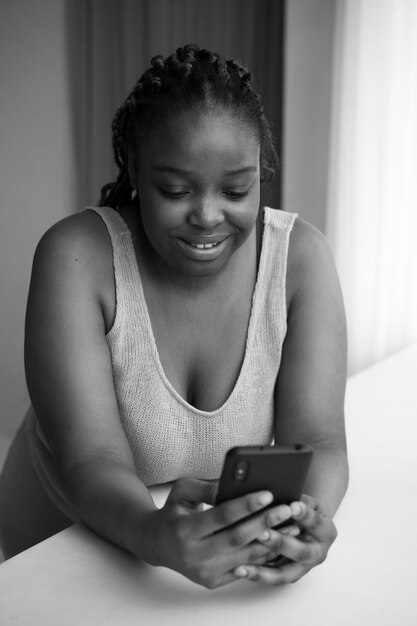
279, 469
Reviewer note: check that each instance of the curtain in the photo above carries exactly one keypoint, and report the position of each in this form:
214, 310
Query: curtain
372, 199
111, 42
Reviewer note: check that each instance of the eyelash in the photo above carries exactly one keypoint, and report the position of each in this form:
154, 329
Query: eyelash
237, 195
177, 196
173, 195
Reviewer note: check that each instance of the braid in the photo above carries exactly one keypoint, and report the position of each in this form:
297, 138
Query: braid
118, 193
190, 78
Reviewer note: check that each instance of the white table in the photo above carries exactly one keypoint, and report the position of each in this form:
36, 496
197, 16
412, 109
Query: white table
369, 578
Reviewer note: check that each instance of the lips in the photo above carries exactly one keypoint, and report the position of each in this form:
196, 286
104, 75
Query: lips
204, 242
203, 248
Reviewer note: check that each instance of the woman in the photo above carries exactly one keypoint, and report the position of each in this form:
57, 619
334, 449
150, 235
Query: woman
172, 322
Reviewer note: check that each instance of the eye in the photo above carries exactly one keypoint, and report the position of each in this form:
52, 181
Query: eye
173, 195
236, 195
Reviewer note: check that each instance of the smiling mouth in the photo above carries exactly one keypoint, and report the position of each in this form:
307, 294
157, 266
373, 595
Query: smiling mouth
203, 246
204, 243
203, 250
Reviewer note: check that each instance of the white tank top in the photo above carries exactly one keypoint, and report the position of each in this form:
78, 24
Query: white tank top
170, 438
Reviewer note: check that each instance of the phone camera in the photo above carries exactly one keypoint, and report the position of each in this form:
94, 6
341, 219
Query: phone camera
241, 471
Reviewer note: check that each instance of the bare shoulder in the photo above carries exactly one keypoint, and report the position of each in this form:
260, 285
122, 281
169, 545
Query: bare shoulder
74, 257
310, 260
81, 235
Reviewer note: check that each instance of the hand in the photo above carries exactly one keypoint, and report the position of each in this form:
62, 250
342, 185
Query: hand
200, 544
317, 533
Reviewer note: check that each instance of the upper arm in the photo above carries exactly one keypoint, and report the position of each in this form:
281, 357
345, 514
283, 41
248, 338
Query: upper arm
67, 359
311, 382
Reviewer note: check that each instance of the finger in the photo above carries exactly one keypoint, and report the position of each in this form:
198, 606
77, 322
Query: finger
256, 553
248, 530
305, 552
225, 563
315, 504
272, 558
227, 560
282, 575
227, 514
213, 581
278, 515
190, 492
294, 531
248, 544
275, 541
313, 522
271, 538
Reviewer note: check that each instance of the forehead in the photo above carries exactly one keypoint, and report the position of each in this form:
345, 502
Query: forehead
200, 139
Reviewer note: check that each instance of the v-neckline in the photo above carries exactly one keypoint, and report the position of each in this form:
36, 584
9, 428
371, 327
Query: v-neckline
143, 307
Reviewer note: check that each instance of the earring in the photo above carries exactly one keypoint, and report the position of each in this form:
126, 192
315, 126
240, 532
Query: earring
133, 194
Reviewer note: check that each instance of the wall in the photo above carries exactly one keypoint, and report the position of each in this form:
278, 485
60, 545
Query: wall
37, 181
309, 30
36, 169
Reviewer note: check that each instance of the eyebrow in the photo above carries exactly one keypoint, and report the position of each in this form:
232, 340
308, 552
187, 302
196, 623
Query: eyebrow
177, 170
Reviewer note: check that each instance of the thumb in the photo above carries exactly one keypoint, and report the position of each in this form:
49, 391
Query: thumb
191, 492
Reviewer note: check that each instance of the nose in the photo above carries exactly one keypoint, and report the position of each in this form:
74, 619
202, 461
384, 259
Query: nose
206, 213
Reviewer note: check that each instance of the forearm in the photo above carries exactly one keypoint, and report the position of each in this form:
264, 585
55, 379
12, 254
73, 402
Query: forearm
112, 501
328, 476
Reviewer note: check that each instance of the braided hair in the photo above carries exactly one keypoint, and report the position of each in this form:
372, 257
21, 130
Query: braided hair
189, 79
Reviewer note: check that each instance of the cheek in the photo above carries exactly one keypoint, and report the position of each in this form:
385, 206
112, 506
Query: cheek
245, 218
158, 221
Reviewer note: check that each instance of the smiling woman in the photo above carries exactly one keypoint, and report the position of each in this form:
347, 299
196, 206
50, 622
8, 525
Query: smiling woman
198, 186
176, 320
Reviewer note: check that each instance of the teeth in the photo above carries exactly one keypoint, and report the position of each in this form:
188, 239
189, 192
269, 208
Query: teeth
204, 246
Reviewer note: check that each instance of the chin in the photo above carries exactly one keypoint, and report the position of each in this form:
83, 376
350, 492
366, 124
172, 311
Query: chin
202, 270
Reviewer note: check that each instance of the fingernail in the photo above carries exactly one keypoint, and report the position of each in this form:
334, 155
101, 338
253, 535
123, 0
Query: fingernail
241, 572
296, 508
264, 536
278, 516
266, 498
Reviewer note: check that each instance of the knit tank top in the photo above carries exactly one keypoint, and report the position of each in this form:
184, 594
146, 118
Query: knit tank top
170, 438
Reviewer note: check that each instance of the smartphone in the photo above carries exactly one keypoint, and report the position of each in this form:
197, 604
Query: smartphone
279, 469
282, 470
